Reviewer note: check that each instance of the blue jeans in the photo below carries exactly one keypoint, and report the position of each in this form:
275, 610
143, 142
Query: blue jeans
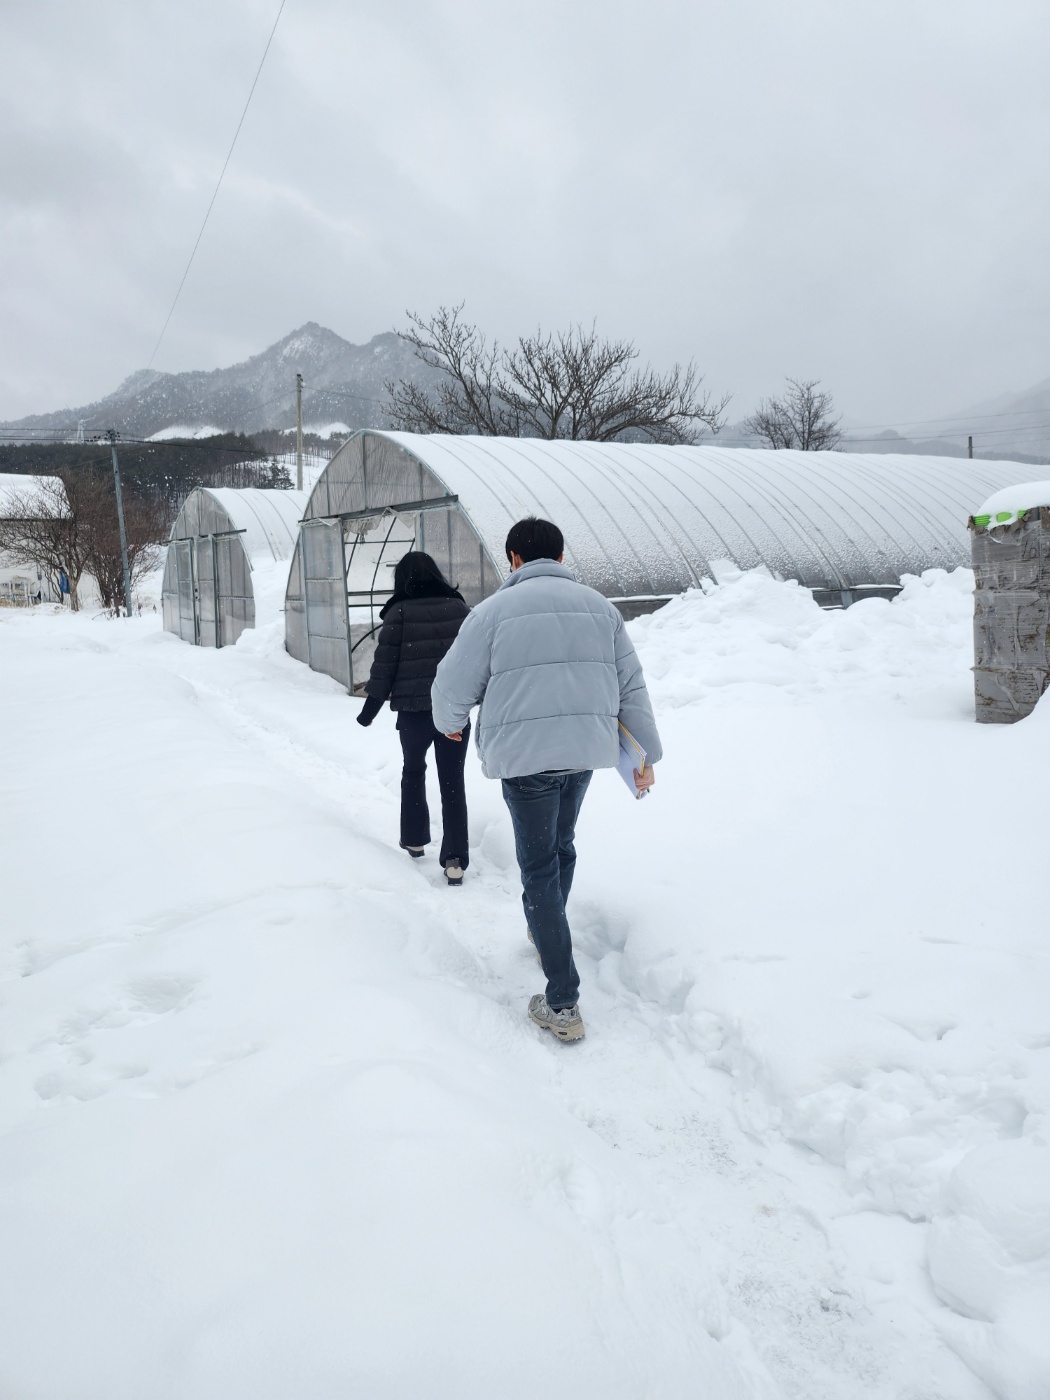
543, 810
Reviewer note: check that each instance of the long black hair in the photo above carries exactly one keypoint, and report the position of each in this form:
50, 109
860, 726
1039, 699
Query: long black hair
416, 575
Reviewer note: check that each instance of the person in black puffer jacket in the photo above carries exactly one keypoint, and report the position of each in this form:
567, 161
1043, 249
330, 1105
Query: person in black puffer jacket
420, 623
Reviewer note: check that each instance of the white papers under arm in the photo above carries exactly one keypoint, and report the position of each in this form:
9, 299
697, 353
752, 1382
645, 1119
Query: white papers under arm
632, 756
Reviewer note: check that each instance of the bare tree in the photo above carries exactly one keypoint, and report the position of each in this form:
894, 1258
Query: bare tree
43, 527
572, 384
800, 419
67, 524
145, 522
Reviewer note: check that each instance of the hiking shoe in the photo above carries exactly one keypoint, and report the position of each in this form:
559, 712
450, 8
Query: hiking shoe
414, 851
454, 873
566, 1024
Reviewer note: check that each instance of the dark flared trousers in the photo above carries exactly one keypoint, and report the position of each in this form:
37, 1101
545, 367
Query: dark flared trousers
543, 811
416, 731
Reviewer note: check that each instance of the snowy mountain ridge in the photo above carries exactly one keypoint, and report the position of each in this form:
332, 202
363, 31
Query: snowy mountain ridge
345, 383
342, 381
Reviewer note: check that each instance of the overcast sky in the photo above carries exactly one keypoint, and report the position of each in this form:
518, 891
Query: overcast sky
853, 190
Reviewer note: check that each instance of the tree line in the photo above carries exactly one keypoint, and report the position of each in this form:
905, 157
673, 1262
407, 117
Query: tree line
65, 521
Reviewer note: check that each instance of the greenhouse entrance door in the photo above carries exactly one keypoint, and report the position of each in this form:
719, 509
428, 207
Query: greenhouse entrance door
212, 602
186, 591
348, 563
372, 554
324, 587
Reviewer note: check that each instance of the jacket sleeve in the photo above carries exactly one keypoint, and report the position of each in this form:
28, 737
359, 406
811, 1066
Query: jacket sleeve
369, 710
387, 655
636, 711
462, 676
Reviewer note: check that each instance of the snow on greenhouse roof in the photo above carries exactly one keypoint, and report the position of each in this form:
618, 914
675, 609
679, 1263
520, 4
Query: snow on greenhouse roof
269, 519
1012, 501
643, 519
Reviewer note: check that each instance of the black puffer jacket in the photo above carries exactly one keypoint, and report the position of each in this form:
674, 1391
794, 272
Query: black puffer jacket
415, 635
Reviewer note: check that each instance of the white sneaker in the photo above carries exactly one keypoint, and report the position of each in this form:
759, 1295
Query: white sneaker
565, 1025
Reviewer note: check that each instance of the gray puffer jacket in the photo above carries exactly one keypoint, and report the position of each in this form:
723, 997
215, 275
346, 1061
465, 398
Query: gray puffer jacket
551, 664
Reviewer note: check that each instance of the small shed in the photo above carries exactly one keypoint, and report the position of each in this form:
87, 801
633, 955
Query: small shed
1011, 614
207, 593
642, 523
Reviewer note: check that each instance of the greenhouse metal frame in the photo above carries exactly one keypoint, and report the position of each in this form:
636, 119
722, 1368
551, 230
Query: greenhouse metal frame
642, 523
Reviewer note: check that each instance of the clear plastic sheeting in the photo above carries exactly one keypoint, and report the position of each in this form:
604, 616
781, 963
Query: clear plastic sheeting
207, 595
644, 522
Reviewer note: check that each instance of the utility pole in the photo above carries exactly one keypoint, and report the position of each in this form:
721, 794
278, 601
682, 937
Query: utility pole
120, 521
298, 432
969, 446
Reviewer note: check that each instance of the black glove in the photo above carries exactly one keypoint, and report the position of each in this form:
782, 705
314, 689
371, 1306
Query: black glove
369, 710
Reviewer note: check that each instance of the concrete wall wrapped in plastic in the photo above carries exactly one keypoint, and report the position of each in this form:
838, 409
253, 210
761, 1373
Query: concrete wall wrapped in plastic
1011, 622
207, 595
642, 522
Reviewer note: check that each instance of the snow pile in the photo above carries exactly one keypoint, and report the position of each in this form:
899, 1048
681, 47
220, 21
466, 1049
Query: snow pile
752, 638
859, 954
272, 1121
990, 1261
1003, 506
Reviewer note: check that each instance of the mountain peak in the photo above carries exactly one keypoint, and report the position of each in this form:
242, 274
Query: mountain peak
342, 381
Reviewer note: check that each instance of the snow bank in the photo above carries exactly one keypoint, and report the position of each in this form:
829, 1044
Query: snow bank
990, 1261
856, 948
752, 638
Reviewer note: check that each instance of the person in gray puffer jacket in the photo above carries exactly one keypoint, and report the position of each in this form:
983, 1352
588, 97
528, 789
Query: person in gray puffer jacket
551, 666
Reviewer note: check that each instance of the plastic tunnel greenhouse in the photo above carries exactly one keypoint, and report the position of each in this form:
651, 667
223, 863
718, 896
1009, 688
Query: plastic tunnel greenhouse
642, 523
207, 594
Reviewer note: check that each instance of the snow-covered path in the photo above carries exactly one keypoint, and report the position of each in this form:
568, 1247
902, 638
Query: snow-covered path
272, 1122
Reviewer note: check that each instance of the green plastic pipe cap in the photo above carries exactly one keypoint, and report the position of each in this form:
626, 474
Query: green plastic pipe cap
1003, 516
981, 520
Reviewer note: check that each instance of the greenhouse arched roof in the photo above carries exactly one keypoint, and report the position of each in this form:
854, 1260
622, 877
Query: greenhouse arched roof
269, 519
642, 519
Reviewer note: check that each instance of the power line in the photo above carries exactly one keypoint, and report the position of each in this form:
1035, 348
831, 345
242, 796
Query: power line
222, 172
950, 418
949, 436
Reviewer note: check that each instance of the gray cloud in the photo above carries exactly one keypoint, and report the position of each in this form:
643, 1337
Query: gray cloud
848, 191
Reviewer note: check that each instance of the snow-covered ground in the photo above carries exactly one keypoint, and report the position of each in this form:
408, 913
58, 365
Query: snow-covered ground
273, 1123
178, 431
